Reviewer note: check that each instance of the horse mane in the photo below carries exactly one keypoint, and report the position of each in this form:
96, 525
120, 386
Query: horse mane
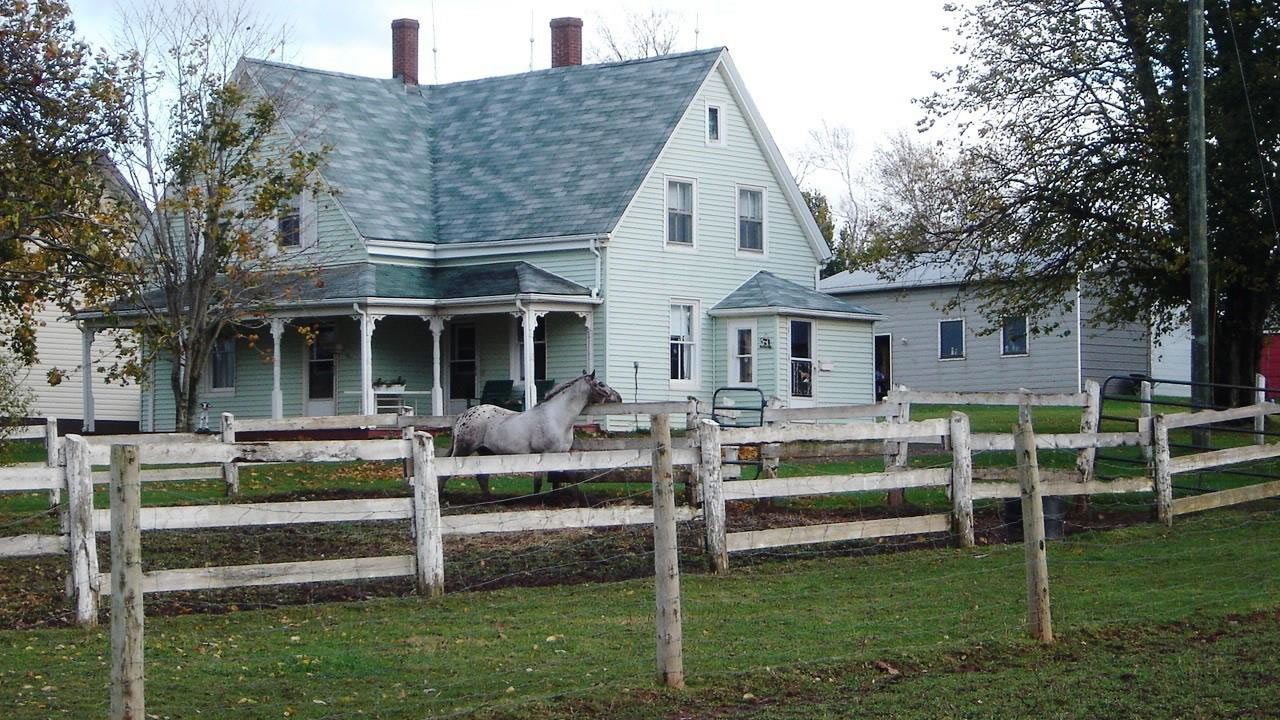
560, 388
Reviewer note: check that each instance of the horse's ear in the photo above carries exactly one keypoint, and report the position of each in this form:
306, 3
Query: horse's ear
593, 375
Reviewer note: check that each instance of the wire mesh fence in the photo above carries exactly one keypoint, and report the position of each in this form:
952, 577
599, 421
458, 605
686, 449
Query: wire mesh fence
529, 619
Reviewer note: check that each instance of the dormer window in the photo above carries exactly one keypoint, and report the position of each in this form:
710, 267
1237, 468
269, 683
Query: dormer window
289, 226
715, 125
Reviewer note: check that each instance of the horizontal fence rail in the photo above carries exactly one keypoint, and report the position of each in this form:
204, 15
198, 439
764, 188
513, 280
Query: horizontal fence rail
919, 430
837, 532
834, 484
1058, 441
994, 398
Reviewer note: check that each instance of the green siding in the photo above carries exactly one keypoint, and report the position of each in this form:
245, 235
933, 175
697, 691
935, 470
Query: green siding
643, 276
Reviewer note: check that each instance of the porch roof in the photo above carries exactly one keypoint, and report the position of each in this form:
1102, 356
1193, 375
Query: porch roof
439, 283
768, 292
359, 281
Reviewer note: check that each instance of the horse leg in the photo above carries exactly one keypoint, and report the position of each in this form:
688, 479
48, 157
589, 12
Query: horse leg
483, 482
537, 482
561, 478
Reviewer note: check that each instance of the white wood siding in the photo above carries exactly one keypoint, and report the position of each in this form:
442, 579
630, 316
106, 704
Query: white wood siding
58, 341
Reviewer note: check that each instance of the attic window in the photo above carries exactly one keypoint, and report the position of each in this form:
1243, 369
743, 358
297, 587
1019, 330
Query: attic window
715, 125
289, 225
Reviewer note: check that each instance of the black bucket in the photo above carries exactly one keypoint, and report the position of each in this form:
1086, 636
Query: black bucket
1055, 514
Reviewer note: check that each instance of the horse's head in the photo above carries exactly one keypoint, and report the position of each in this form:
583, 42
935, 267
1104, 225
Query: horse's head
600, 392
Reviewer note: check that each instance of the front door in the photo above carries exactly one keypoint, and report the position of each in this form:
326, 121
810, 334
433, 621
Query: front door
321, 373
883, 366
802, 365
462, 367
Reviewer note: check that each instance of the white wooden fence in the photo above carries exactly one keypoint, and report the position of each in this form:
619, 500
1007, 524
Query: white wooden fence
422, 509
70, 461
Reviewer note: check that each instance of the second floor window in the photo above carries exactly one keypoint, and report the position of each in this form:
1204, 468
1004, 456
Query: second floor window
750, 219
715, 133
680, 212
289, 226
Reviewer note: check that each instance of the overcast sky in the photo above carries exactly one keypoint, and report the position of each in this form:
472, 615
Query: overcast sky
856, 63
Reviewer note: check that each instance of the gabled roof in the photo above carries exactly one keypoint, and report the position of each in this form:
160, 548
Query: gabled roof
555, 152
765, 291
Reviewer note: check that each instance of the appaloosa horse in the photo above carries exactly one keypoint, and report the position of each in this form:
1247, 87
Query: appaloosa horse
548, 427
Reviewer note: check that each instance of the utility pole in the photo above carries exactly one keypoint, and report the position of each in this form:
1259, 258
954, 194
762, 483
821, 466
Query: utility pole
1200, 326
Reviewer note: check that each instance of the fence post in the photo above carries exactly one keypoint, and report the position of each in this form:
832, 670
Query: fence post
1163, 479
428, 538
1089, 425
896, 453
80, 531
230, 472
1039, 620
710, 480
1260, 399
406, 434
691, 415
961, 479
1144, 413
127, 700
51, 456
666, 560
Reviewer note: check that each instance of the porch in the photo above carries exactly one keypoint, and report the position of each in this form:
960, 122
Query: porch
394, 350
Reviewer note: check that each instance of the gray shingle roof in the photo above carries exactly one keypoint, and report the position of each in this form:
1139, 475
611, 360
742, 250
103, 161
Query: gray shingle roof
362, 280
547, 153
765, 290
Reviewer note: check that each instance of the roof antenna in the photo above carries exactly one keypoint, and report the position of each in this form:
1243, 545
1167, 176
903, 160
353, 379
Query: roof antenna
697, 24
531, 26
435, 55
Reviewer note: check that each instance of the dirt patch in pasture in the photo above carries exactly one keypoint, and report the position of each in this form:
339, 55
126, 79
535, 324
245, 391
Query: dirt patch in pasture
32, 590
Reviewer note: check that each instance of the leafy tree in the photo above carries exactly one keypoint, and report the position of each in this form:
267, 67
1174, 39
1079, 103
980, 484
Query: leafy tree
840, 247
61, 109
1071, 164
221, 175
16, 399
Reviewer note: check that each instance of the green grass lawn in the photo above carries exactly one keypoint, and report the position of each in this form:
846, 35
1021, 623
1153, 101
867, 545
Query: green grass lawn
800, 638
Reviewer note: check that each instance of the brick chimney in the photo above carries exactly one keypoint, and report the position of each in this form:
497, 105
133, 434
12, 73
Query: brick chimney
404, 50
566, 41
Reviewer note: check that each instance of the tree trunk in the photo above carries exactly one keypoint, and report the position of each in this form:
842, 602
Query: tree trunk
1237, 344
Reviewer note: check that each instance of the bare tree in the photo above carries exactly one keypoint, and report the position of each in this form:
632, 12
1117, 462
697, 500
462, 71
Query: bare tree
642, 35
222, 179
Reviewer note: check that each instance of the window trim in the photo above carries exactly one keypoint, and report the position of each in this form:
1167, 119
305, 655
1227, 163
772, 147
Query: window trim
695, 381
731, 343
666, 214
813, 358
964, 343
235, 369
737, 220
1026, 336
707, 107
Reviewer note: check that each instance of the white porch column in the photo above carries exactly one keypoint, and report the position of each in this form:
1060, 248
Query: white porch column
367, 403
588, 319
530, 321
86, 375
277, 394
436, 325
